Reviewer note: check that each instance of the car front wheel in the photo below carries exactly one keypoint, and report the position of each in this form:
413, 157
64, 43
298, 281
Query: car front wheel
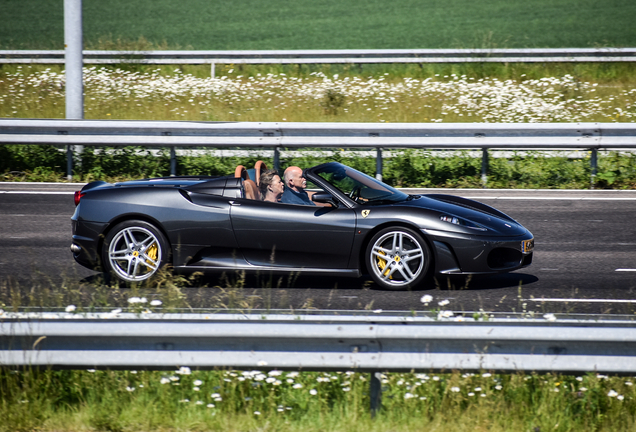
398, 258
134, 251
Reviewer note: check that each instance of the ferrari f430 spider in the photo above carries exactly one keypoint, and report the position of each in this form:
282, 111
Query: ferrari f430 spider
355, 226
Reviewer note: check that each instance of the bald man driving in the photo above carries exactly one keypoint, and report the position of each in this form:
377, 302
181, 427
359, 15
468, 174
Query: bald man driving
295, 191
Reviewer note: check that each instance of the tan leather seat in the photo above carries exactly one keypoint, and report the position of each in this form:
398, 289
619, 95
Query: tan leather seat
259, 168
251, 189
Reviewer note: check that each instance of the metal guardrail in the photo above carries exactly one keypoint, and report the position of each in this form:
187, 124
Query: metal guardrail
506, 55
371, 343
483, 136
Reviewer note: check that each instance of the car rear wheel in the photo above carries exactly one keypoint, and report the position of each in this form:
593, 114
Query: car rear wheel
134, 251
398, 258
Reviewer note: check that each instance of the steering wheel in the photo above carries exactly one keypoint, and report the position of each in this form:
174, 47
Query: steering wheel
355, 193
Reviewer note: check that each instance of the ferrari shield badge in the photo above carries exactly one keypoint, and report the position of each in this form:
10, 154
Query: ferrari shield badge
365, 213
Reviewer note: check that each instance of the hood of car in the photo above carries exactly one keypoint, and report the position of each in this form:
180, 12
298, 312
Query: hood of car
469, 212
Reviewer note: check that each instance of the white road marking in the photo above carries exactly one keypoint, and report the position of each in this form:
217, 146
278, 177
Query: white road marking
626, 270
568, 300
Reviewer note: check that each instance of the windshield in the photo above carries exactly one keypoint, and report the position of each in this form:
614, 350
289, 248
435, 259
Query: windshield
360, 187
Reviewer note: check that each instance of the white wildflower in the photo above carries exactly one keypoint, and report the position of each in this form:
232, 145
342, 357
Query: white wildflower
134, 300
70, 308
426, 299
445, 314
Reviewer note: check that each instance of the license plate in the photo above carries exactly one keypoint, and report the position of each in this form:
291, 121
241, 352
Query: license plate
527, 246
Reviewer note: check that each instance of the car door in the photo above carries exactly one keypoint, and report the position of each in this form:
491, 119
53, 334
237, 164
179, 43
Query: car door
288, 235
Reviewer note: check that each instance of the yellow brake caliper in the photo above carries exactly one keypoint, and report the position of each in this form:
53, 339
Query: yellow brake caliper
152, 253
382, 264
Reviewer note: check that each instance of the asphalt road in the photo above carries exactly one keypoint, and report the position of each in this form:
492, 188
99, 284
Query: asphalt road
584, 261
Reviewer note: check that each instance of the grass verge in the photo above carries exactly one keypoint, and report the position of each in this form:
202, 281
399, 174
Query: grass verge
310, 401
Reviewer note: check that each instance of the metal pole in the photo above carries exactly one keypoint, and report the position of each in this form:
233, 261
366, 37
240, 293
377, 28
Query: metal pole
375, 392
484, 168
73, 63
173, 161
212, 69
594, 163
378, 164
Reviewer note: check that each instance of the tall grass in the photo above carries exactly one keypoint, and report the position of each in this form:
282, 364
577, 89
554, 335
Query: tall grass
310, 401
161, 94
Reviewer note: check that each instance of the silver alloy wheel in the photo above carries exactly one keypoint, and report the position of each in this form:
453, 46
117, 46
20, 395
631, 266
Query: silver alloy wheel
134, 254
397, 258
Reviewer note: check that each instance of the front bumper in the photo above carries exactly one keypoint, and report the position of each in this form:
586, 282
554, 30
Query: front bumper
464, 254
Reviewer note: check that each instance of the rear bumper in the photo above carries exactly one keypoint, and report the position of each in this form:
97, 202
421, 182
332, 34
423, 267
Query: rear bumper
85, 243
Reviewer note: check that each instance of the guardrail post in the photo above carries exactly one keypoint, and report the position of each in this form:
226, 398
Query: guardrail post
484, 168
378, 164
69, 162
276, 159
212, 69
594, 164
375, 392
173, 161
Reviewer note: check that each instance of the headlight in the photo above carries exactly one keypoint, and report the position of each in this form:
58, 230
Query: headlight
461, 222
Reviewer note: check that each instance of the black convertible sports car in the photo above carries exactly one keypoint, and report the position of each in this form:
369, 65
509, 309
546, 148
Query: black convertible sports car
358, 226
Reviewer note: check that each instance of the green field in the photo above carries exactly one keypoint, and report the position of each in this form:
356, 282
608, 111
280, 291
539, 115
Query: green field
323, 24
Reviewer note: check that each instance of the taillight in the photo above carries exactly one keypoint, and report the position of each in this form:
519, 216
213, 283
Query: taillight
78, 196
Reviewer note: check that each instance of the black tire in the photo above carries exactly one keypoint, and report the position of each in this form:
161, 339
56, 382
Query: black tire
407, 261
134, 251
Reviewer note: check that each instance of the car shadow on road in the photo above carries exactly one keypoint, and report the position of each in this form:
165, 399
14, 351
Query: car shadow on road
484, 282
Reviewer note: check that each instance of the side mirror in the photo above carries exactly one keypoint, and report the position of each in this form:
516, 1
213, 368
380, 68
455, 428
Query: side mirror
324, 198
